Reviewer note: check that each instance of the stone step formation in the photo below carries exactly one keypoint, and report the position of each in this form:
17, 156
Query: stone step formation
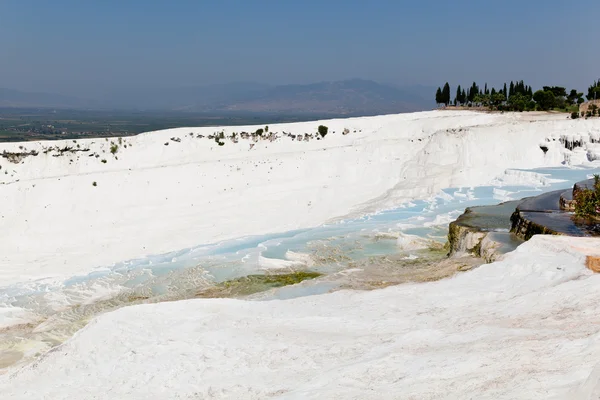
491, 231
552, 213
483, 231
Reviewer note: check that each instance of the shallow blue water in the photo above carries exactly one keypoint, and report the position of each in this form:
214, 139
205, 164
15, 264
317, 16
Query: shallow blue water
353, 239
348, 253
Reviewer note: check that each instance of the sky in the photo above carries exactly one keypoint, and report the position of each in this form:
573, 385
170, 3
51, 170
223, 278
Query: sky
93, 47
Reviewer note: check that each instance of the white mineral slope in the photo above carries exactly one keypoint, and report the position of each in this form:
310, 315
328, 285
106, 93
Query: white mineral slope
523, 328
152, 198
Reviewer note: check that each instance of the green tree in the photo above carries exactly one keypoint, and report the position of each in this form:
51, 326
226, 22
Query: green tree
505, 93
594, 91
560, 95
473, 92
587, 201
322, 130
439, 97
446, 94
497, 99
520, 88
482, 100
544, 99
572, 97
556, 90
531, 105
517, 102
457, 99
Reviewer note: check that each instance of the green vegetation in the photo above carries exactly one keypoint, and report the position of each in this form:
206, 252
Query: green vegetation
515, 97
594, 91
94, 183
28, 124
250, 284
587, 201
322, 130
574, 108
114, 148
545, 99
442, 96
575, 97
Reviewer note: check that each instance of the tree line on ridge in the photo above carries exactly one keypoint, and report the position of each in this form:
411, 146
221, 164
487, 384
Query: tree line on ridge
516, 96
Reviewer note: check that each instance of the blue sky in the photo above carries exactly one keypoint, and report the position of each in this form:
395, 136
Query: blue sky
78, 47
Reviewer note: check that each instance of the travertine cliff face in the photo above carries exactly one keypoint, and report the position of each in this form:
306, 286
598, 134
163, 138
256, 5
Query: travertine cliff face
552, 214
525, 228
482, 232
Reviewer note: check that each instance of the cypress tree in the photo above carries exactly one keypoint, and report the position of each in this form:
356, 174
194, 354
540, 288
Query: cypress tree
463, 96
504, 91
458, 93
438, 96
593, 90
522, 88
446, 94
511, 90
473, 92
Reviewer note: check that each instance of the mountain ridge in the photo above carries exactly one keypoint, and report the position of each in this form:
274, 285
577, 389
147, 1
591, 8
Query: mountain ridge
352, 96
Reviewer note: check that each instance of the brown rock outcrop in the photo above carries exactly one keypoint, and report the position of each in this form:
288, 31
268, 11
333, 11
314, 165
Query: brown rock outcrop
593, 263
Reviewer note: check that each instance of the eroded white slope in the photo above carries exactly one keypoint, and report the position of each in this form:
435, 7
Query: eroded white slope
151, 198
523, 328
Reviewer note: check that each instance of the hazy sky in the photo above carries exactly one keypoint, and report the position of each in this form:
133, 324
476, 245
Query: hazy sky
88, 47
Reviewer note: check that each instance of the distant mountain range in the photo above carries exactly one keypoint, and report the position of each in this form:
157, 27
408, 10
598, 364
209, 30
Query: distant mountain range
16, 98
351, 97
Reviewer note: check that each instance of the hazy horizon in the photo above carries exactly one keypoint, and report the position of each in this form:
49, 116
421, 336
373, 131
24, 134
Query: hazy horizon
89, 50
214, 85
